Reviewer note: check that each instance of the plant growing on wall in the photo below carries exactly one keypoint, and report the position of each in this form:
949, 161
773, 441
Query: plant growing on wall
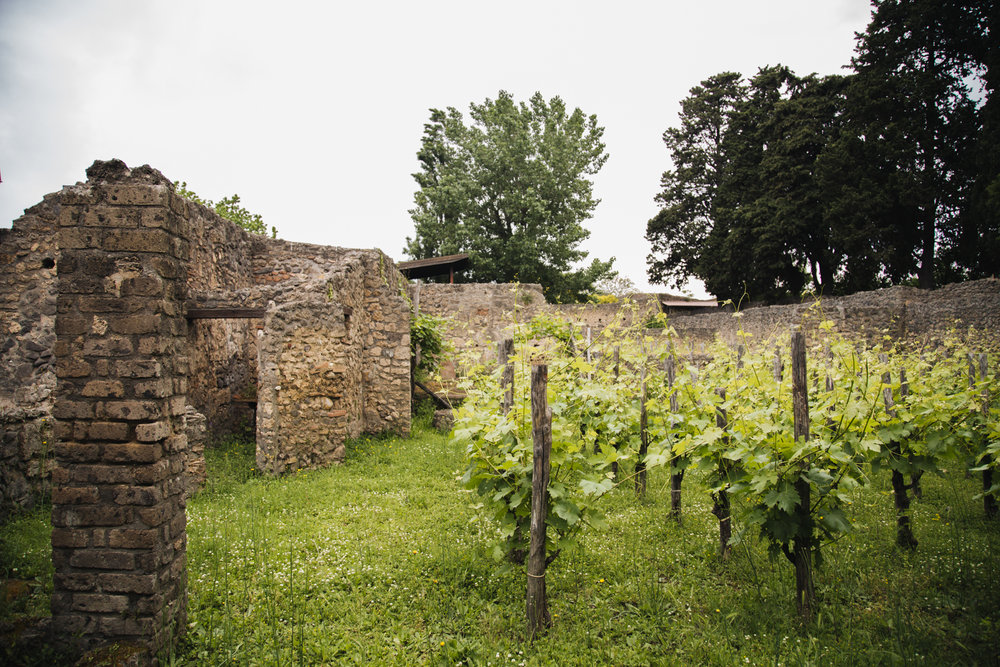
230, 209
426, 344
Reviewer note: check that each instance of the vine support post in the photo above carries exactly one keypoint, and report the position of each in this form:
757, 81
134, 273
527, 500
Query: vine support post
676, 474
506, 352
778, 366
541, 431
805, 594
617, 371
720, 500
989, 500
640, 464
904, 531
904, 391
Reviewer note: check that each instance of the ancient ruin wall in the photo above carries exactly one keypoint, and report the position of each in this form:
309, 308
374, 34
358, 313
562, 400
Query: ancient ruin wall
334, 363
119, 528
28, 257
477, 315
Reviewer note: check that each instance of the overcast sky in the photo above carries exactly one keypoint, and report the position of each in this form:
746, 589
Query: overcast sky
313, 111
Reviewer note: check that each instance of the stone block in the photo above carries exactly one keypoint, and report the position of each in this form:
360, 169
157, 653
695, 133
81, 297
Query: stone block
70, 537
103, 389
112, 346
102, 559
135, 324
70, 516
138, 495
132, 452
138, 368
110, 431
138, 240
130, 410
130, 538
73, 367
139, 195
75, 581
153, 432
100, 603
74, 495
67, 409
143, 584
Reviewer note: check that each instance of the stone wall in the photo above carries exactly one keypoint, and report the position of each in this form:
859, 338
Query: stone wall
28, 257
119, 528
100, 361
477, 315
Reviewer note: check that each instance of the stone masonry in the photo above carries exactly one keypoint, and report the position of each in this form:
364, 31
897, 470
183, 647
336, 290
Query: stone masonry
107, 382
119, 532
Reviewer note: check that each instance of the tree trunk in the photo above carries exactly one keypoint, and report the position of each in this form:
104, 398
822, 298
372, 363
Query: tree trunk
640, 464
676, 474
721, 505
904, 532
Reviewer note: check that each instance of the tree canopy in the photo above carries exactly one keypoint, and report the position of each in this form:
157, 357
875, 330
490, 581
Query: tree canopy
511, 187
783, 183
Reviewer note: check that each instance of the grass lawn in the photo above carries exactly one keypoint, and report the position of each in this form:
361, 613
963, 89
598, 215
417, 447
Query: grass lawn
384, 561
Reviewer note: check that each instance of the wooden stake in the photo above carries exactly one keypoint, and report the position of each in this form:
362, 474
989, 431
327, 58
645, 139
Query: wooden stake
541, 431
506, 352
801, 552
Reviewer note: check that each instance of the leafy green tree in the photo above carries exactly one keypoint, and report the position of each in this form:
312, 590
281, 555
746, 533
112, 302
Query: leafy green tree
512, 188
917, 67
678, 231
229, 208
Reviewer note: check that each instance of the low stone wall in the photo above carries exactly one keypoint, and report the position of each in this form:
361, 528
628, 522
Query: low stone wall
477, 315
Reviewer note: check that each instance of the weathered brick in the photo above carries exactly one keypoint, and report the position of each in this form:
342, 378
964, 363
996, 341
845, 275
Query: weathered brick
132, 452
160, 388
113, 431
123, 626
67, 409
109, 216
127, 583
74, 495
75, 581
153, 432
81, 452
131, 410
144, 194
103, 389
138, 240
102, 559
157, 515
100, 603
138, 368
135, 324
130, 538
68, 325
112, 346
138, 495
70, 537
73, 367
70, 516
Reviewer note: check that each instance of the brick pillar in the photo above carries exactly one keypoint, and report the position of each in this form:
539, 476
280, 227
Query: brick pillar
119, 534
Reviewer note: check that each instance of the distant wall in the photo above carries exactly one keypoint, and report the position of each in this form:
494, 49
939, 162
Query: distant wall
478, 315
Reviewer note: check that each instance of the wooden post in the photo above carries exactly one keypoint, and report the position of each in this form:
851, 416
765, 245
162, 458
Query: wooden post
777, 364
904, 532
720, 501
506, 351
989, 500
640, 464
904, 391
541, 431
801, 556
614, 464
676, 474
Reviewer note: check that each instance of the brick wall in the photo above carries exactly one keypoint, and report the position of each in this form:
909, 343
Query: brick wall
119, 537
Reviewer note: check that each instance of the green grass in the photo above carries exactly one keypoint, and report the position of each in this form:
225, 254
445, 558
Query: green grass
383, 561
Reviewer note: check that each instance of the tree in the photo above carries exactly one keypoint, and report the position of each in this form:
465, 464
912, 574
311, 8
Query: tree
511, 188
230, 209
917, 66
678, 231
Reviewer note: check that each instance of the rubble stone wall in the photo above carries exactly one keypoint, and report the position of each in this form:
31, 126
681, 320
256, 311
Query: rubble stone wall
476, 316
28, 256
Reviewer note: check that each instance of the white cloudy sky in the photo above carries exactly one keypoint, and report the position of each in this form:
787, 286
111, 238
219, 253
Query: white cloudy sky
313, 111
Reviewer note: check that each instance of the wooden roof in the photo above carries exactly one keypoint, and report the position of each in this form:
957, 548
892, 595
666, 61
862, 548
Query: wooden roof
434, 266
